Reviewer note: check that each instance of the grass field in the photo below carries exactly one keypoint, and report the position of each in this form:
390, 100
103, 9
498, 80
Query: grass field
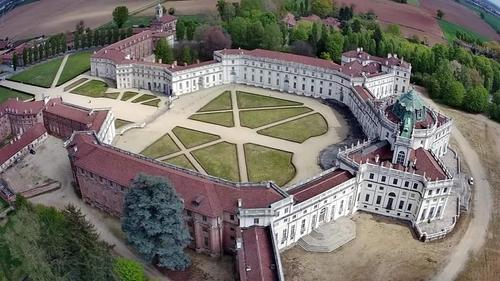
154, 103
492, 20
298, 130
74, 84
191, 138
221, 102
128, 95
3, 205
144, 97
6, 93
161, 147
93, 89
265, 163
450, 31
39, 75
249, 100
132, 21
225, 119
181, 161
220, 160
258, 118
414, 2
120, 123
76, 64
112, 95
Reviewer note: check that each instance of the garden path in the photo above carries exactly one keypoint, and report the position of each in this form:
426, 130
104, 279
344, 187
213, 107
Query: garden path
58, 74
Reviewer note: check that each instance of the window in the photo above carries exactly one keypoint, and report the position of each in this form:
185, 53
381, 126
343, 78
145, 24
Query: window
205, 241
286, 210
204, 218
409, 207
367, 197
379, 198
283, 238
407, 183
415, 185
401, 158
383, 178
438, 213
231, 217
205, 229
189, 213
401, 204
369, 185
430, 192
431, 213
422, 217
381, 188
372, 176
256, 221
303, 226
292, 232
395, 181
445, 190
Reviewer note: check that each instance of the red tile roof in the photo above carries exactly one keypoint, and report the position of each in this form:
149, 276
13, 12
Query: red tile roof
14, 106
167, 18
214, 196
260, 262
92, 119
320, 185
28, 137
363, 93
425, 162
260, 53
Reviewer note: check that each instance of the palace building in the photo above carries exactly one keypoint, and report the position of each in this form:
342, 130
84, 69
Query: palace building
397, 172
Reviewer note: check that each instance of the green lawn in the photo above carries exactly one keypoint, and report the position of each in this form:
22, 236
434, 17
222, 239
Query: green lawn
39, 75
6, 93
450, 31
221, 102
225, 119
249, 100
74, 84
220, 160
3, 205
131, 22
154, 103
181, 161
128, 95
191, 138
161, 147
93, 89
75, 65
120, 123
414, 2
258, 118
112, 95
266, 163
144, 97
298, 130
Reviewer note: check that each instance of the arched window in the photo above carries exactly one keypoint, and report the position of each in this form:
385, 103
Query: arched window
401, 158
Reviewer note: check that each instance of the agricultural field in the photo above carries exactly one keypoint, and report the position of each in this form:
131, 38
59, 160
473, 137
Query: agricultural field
41, 75
76, 64
6, 93
413, 19
460, 15
492, 20
450, 31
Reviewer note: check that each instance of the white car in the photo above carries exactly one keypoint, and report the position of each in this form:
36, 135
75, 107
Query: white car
471, 181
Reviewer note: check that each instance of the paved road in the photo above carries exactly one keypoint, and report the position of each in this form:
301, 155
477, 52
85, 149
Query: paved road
475, 235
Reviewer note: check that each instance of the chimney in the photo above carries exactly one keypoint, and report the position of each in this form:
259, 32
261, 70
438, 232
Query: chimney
389, 55
377, 157
239, 203
175, 63
197, 61
395, 56
159, 61
185, 64
105, 51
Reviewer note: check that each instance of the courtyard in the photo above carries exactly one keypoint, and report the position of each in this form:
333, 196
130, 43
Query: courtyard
240, 134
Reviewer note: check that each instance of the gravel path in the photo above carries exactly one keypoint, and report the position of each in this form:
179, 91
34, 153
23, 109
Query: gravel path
59, 71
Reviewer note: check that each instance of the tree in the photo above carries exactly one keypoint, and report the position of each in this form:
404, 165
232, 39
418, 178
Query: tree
394, 29
80, 27
186, 55
129, 270
25, 57
251, 5
190, 29
378, 37
171, 11
356, 25
180, 30
322, 8
255, 35
154, 224
14, 61
476, 100
273, 38
237, 28
120, 16
214, 38
454, 95
221, 7
440, 14
301, 48
335, 45
163, 52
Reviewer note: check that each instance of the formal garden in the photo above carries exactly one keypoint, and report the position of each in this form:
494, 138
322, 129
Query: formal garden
198, 148
6, 93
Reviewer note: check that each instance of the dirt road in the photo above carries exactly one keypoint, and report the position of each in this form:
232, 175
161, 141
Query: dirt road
474, 237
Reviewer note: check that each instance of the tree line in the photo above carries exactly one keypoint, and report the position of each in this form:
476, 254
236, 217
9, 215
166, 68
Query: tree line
43, 243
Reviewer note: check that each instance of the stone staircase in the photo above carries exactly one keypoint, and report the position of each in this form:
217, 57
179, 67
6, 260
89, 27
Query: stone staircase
330, 236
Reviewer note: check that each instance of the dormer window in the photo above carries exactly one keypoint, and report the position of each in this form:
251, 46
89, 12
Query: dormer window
401, 158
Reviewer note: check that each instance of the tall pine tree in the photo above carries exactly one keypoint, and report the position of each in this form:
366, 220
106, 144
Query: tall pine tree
154, 224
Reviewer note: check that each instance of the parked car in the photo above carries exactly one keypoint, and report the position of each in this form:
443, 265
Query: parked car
471, 181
